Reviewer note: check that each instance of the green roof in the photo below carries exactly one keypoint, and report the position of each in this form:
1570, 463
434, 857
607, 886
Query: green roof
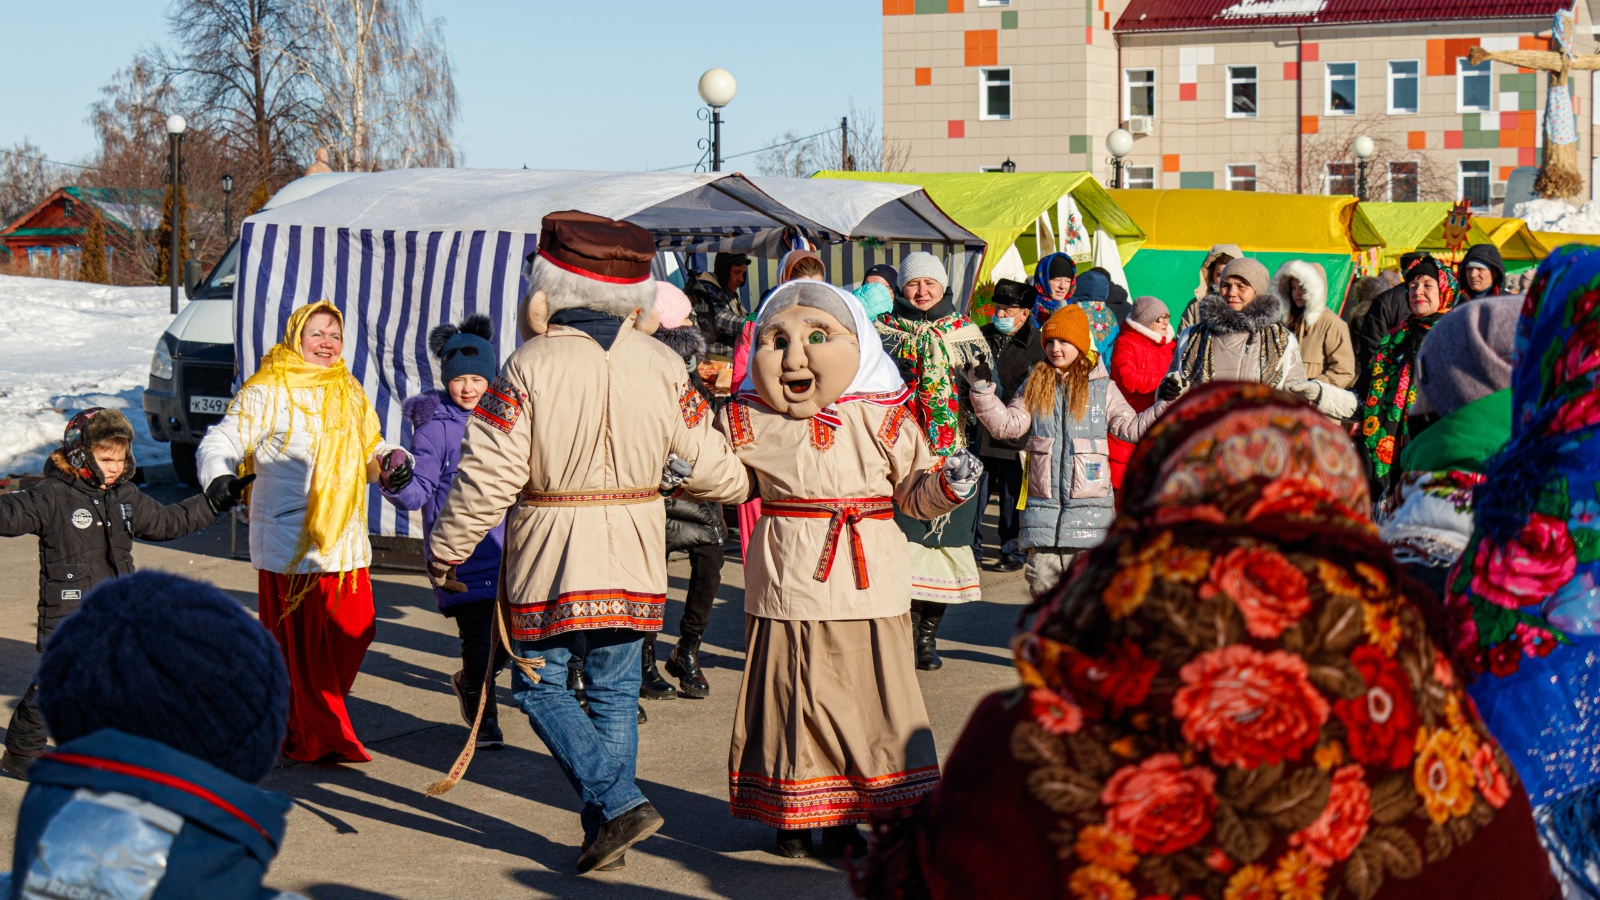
45, 232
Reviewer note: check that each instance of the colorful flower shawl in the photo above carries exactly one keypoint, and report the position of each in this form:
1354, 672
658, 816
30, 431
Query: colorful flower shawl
1237, 696
931, 351
1526, 585
1385, 425
1043, 306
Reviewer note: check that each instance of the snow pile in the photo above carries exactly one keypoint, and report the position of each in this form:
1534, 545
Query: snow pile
1560, 216
65, 346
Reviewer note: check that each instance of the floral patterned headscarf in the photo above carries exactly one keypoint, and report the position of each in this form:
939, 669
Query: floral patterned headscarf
1386, 415
1237, 697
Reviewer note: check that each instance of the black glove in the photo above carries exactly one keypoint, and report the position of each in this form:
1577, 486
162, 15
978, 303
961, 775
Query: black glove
225, 491
394, 473
443, 576
1171, 389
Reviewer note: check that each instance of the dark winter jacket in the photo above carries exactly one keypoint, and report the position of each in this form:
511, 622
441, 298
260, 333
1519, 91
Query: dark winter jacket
1014, 355
438, 425
1388, 311
86, 534
226, 830
691, 524
1489, 255
717, 312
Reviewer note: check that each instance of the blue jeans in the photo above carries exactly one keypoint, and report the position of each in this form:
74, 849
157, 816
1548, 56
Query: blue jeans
597, 752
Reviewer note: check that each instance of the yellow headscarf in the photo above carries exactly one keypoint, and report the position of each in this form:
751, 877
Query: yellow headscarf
350, 435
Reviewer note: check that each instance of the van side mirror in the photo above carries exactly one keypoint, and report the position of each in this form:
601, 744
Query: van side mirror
191, 277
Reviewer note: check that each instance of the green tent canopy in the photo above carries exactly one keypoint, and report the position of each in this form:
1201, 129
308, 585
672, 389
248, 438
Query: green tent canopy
1001, 207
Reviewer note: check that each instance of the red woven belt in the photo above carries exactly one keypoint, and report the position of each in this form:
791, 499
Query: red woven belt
844, 514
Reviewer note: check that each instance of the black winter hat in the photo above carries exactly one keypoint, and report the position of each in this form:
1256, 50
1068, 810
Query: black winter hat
888, 273
1013, 295
1061, 266
92, 427
172, 660
465, 349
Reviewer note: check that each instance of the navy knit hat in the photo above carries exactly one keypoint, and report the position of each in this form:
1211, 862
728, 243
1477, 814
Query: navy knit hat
171, 660
1092, 285
467, 349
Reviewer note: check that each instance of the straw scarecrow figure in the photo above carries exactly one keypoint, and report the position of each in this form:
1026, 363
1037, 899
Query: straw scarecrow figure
1559, 177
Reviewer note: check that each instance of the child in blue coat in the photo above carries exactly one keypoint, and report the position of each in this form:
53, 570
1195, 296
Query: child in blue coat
467, 364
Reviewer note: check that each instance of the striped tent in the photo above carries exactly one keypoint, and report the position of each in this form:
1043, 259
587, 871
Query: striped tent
400, 252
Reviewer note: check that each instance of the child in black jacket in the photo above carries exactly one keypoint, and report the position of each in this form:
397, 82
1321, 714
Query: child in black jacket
86, 514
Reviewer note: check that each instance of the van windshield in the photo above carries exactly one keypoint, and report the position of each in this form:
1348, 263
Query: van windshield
219, 284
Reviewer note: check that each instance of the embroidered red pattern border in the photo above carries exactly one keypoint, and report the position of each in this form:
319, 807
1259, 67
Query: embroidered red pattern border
831, 800
580, 610
889, 431
693, 406
821, 435
739, 431
500, 406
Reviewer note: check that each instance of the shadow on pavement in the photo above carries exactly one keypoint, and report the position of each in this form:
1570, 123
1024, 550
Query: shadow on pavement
344, 892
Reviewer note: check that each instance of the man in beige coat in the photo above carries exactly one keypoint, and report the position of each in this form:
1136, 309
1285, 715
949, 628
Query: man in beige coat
572, 439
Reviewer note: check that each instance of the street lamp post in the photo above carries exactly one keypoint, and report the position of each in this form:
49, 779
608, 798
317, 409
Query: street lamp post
1119, 144
175, 127
1364, 149
227, 208
717, 88
1008, 166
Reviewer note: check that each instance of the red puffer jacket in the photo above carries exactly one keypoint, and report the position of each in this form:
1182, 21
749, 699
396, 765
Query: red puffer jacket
1139, 361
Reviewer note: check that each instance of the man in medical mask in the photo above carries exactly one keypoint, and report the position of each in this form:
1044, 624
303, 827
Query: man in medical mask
1015, 345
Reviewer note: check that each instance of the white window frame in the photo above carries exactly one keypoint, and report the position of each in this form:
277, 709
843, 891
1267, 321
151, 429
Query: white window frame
983, 94
1461, 84
994, 2
1389, 176
1254, 178
1488, 180
1128, 177
1327, 88
1415, 76
1328, 176
1127, 90
1227, 99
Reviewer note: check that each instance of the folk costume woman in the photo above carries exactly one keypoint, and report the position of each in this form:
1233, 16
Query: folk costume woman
931, 342
1391, 383
1524, 595
1238, 699
304, 427
831, 728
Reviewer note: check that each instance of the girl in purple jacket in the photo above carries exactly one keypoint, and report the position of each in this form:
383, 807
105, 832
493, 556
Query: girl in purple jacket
438, 420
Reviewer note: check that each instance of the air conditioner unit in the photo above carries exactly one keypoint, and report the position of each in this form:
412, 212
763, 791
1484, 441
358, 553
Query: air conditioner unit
1497, 192
1141, 124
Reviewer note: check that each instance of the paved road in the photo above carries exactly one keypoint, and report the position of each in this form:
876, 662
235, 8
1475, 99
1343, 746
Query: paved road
511, 829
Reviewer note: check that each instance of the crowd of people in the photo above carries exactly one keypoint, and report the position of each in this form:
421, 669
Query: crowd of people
1313, 584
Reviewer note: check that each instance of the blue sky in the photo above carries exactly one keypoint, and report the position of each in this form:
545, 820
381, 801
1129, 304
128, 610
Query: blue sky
598, 84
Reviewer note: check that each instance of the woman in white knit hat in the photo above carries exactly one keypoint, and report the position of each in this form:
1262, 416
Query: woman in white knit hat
931, 341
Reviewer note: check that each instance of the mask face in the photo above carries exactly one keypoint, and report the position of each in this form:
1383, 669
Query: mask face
804, 360
1005, 325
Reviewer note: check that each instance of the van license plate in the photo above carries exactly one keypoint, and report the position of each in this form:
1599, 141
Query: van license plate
215, 406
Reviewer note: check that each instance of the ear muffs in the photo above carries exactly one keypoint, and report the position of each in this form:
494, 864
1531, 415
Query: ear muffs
534, 316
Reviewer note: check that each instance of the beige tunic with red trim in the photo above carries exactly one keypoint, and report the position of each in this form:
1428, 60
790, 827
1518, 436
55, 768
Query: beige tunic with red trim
567, 417
877, 452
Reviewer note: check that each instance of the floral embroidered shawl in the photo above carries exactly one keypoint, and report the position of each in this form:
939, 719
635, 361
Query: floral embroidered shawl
1237, 696
930, 352
1385, 424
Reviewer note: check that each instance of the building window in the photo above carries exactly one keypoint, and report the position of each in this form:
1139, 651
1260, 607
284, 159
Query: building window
1139, 87
1341, 90
1139, 177
1473, 175
1403, 182
1242, 177
994, 93
66, 208
1241, 92
1472, 87
1341, 178
1404, 86
994, 2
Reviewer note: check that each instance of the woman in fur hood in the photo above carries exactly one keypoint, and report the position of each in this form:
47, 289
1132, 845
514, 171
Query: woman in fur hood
1241, 336
1325, 346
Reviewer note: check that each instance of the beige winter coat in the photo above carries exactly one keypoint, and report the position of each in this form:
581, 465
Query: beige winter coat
877, 452
1325, 345
571, 439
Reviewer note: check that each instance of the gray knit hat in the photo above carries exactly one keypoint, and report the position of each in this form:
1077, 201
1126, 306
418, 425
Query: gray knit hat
1146, 310
923, 265
1253, 273
1467, 355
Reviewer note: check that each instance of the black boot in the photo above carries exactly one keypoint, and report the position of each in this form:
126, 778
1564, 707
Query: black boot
843, 842
651, 685
579, 686
925, 633
793, 843
684, 665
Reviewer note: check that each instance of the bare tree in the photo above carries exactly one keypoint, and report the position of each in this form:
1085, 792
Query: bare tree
858, 145
380, 86
1319, 163
25, 179
236, 64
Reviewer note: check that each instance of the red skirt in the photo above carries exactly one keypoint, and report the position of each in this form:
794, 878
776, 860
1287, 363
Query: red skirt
323, 643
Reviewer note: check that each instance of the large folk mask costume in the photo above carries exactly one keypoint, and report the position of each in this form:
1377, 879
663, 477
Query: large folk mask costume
814, 349
589, 262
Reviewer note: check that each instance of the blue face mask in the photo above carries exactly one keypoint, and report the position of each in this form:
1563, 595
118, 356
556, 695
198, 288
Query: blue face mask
1005, 326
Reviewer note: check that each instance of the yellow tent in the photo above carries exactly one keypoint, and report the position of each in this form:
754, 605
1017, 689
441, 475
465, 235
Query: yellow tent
1553, 239
1519, 247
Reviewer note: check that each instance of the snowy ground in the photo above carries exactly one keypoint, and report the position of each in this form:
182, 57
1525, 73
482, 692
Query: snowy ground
1558, 215
65, 346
